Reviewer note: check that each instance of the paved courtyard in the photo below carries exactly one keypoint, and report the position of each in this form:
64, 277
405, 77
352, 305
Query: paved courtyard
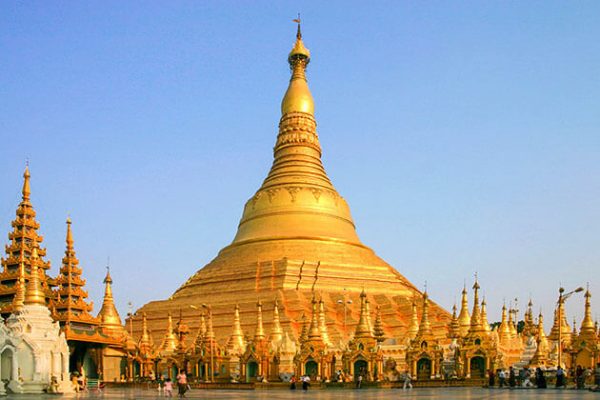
345, 394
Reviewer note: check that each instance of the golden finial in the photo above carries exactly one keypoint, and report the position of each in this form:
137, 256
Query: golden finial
34, 293
299, 33
69, 239
26, 189
298, 97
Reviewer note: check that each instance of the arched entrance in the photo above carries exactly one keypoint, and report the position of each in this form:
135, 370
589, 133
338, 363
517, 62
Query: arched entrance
424, 369
311, 368
361, 367
251, 370
477, 367
6, 364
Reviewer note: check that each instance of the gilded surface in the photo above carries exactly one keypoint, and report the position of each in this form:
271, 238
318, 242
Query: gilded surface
296, 236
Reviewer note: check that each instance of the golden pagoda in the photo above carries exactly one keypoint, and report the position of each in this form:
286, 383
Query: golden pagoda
24, 238
296, 236
69, 305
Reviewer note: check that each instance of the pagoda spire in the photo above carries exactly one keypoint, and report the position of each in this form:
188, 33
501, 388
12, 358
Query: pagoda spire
368, 311
323, 323
464, 319
303, 337
276, 331
201, 336
313, 332
484, 319
259, 334
476, 325
298, 97
413, 328
19, 299
454, 328
169, 344
210, 333
362, 328
587, 329
69, 304
284, 206
145, 342
110, 321
541, 352
23, 239
237, 344
33, 292
26, 191
504, 329
378, 331
425, 325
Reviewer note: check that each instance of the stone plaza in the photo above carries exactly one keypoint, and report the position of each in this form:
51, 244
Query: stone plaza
419, 393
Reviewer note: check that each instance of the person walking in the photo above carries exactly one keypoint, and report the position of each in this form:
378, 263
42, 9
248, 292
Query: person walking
407, 380
293, 382
305, 382
579, 378
182, 384
359, 381
168, 388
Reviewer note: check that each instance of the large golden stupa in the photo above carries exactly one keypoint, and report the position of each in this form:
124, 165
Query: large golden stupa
296, 239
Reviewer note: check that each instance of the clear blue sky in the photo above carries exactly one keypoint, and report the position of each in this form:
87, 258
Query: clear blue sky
464, 135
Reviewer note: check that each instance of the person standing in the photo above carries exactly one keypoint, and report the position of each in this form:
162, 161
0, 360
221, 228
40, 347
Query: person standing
579, 378
540, 379
182, 383
560, 377
597, 377
512, 379
501, 378
293, 382
491, 378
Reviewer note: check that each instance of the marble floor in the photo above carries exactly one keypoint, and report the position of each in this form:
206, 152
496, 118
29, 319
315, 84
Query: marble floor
341, 394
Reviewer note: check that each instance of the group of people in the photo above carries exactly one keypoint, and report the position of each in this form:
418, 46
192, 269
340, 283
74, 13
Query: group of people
529, 378
182, 385
304, 381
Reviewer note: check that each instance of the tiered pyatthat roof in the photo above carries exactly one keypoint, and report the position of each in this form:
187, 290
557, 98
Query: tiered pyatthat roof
69, 305
24, 238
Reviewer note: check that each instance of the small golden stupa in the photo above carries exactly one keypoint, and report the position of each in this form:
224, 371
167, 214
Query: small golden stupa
296, 238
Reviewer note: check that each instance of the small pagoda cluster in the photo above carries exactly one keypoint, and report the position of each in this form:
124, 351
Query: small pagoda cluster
97, 344
469, 348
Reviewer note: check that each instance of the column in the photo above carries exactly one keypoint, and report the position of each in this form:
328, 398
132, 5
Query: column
433, 366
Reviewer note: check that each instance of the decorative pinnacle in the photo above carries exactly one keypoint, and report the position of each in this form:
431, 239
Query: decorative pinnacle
299, 33
34, 293
69, 235
26, 189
